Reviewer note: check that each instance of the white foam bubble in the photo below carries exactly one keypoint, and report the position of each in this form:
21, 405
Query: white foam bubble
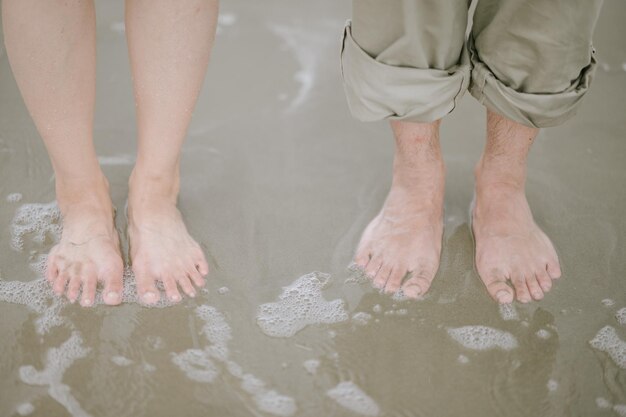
348, 395
199, 364
120, 360
196, 364
552, 385
299, 305
621, 315
223, 290
543, 334
38, 220
14, 197
377, 308
607, 340
483, 338
58, 360
620, 409
361, 318
607, 302
462, 359
356, 275
311, 365
508, 312
25, 409
603, 403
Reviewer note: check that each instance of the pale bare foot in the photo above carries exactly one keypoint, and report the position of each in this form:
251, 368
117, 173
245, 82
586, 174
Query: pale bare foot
161, 249
509, 244
404, 239
88, 251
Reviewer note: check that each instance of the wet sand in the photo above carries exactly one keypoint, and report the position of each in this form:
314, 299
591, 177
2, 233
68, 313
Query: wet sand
278, 182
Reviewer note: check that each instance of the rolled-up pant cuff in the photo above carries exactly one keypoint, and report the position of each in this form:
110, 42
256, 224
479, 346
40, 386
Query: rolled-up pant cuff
530, 109
377, 91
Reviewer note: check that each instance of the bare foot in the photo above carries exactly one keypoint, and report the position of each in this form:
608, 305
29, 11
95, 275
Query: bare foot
509, 244
404, 240
161, 249
88, 251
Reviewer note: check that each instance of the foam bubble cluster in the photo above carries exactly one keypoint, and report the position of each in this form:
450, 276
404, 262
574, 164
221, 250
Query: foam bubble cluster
621, 315
543, 334
552, 385
483, 338
508, 312
120, 360
199, 364
348, 395
25, 409
38, 220
300, 304
14, 197
58, 360
311, 365
361, 318
607, 340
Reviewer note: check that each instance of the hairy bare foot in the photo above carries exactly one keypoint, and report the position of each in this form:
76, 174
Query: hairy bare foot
509, 244
88, 251
161, 249
404, 239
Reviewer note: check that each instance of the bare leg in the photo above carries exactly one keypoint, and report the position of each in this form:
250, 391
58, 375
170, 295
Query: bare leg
509, 245
169, 43
405, 237
51, 47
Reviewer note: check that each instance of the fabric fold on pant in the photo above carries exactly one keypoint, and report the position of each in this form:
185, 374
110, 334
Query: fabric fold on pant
377, 91
531, 109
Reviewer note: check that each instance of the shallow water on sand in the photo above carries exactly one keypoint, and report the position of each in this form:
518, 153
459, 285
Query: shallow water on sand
278, 182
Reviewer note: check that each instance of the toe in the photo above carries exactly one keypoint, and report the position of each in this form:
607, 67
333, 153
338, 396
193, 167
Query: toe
196, 277
533, 286
395, 280
171, 289
380, 280
59, 283
372, 267
146, 290
201, 264
418, 283
362, 257
187, 287
73, 288
521, 289
88, 296
554, 269
544, 280
113, 285
52, 269
496, 283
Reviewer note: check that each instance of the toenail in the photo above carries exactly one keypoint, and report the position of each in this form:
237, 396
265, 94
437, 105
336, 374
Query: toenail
192, 294
149, 297
175, 297
502, 296
86, 302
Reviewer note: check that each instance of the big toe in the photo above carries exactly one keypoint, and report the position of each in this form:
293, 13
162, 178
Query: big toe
146, 288
496, 284
113, 286
418, 283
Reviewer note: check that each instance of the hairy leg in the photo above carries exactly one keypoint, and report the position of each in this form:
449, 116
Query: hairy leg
509, 244
169, 44
404, 239
51, 48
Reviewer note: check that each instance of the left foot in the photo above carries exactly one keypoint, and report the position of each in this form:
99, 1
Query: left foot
509, 244
161, 249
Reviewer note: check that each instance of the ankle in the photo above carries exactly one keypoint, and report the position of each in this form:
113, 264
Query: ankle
491, 175
145, 185
92, 191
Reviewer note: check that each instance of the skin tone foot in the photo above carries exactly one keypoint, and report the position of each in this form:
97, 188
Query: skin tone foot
88, 252
509, 244
401, 247
161, 249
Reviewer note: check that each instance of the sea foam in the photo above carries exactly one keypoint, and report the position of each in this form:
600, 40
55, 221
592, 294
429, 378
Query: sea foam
483, 338
348, 395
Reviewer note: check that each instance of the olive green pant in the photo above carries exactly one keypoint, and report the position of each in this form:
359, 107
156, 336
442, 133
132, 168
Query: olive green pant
531, 61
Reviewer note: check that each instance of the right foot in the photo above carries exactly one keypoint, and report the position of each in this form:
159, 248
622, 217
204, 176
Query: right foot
405, 238
89, 250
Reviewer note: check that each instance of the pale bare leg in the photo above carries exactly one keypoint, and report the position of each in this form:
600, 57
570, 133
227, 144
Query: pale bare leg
405, 237
169, 43
509, 245
51, 47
